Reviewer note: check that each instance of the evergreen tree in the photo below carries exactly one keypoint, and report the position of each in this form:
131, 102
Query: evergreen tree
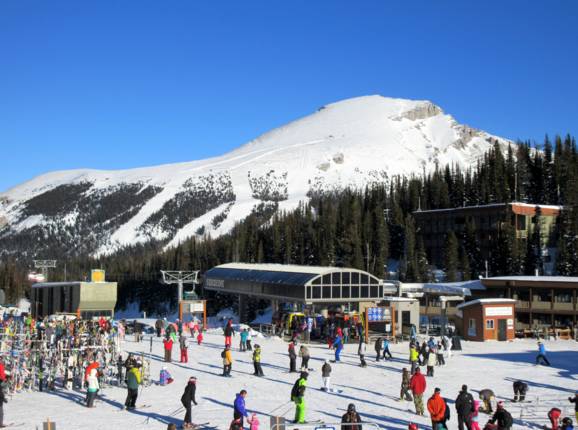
451, 257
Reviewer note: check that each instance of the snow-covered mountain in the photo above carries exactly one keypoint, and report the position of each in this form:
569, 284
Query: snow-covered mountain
354, 142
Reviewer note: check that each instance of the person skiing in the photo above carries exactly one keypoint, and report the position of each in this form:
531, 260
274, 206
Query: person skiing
159, 327
326, 375
93, 387
183, 347
298, 397
502, 418
338, 345
168, 346
378, 345
351, 419
431, 362
133, 380
575, 401
187, 398
520, 390
440, 355
239, 410
413, 358
257, 361
229, 332
304, 354
200, 337
423, 351
227, 361
487, 396
361, 352
541, 357
464, 407
417, 384
292, 358
437, 409
165, 377
404, 392
249, 339
386, 350
243, 340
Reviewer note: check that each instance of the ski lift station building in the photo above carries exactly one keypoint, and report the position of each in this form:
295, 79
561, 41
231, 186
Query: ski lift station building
309, 285
85, 299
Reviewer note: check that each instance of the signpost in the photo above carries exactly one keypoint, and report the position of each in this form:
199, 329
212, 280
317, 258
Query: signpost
382, 315
180, 277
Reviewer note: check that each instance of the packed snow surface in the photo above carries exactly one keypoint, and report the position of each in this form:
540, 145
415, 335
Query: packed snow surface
351, 143
374, 390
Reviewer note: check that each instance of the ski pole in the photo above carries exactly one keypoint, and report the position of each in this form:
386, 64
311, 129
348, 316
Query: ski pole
172, 414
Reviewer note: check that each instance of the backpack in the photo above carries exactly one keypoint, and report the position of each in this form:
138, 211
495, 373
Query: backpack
223, 354
508, 420
297, 390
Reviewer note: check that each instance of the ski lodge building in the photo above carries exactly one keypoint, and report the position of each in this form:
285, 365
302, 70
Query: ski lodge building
488, 221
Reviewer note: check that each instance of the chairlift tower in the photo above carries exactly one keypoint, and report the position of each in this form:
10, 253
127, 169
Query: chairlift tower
180, 277
44, 265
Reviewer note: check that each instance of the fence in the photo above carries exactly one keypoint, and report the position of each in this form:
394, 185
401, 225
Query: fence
536, 407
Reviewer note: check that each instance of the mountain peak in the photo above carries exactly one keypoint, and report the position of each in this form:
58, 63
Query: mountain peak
350, 143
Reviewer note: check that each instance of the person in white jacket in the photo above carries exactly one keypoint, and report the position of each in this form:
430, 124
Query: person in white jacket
361, 352
93, 387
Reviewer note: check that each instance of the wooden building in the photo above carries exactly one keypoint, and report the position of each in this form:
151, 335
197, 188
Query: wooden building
488, 319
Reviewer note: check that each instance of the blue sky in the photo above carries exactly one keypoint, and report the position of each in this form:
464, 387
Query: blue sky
118, 84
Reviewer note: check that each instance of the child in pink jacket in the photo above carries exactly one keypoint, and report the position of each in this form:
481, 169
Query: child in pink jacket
254, 422
474, 425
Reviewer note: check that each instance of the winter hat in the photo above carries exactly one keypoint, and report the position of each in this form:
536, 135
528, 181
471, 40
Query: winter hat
437, 390
304, 374
351, 407
464, 387
500, 405
164, 367
327, 361
193, 379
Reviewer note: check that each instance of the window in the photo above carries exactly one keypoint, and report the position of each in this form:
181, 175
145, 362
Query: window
336, 278
345, 277
336, 292
326, 292
326, 279
364, 291
355, 278
489, 324
316, 292
354, 292
345, 291
472, 327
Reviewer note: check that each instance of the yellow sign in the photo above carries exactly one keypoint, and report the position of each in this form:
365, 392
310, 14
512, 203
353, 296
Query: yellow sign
97, 275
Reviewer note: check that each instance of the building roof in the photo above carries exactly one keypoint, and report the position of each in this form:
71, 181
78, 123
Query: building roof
67, 284
284, 274
486, 302
463, 288
572, 279
494, 205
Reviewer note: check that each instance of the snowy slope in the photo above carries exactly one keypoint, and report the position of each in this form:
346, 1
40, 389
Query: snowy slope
354, 142
374, 390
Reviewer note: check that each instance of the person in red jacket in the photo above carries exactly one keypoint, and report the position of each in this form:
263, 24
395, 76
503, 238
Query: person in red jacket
437, 409
417, 385
168, 343
2, 372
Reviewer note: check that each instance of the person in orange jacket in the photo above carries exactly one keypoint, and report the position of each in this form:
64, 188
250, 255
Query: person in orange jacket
437, 409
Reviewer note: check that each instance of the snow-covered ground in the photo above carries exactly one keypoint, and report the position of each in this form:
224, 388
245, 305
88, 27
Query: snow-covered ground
374, 390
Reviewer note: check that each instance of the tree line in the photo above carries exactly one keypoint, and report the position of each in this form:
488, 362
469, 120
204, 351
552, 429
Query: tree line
370, 228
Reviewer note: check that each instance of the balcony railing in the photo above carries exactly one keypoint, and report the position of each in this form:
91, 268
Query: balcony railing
563, 306
541, 305
522, 304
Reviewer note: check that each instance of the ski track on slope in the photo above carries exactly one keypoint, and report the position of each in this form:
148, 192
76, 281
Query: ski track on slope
373, 390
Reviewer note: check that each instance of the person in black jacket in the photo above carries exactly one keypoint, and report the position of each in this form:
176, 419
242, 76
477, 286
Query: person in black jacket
464, 406
502, 418
520, 390
575, 401
2, 401
351, 419
447, 415
186, 399
378, 346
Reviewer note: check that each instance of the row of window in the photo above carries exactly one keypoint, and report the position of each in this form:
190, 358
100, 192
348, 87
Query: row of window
346, 278
345, 292
472, 324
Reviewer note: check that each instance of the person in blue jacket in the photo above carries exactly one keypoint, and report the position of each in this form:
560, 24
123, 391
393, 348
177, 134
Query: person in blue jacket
239, 411
541, 357
338, 345
386, 349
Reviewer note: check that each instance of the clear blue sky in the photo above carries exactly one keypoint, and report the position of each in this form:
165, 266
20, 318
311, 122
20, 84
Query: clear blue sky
118, 84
